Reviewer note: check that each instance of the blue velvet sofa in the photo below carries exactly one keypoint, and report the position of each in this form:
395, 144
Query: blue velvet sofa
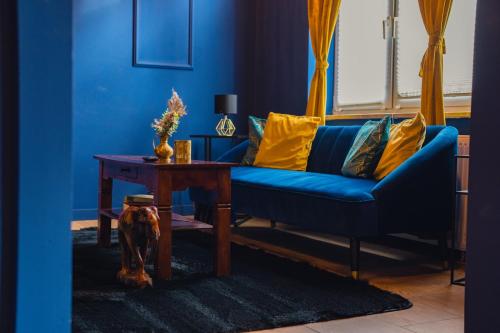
418, 197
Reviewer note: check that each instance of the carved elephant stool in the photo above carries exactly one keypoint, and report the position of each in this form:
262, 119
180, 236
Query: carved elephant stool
138, 227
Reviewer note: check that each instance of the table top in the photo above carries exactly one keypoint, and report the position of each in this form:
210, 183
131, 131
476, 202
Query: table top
137, 160
217, 136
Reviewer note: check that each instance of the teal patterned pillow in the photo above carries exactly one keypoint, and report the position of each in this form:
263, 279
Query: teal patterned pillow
368, 146
255, 132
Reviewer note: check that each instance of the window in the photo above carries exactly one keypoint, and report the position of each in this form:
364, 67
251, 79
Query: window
379, 45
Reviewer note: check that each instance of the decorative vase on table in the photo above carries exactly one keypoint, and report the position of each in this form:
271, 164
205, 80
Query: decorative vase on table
164, 151
167, 125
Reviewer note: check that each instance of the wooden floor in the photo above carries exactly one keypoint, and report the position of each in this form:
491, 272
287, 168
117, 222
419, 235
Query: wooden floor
437, 306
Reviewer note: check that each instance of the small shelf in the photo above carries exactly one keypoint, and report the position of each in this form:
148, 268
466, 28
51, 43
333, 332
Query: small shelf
179, 222
453, 280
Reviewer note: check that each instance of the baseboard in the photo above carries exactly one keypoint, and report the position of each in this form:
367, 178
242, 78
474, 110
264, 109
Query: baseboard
91, 213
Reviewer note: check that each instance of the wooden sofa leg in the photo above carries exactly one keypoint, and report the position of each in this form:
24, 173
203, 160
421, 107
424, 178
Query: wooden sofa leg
273, 224
355, 250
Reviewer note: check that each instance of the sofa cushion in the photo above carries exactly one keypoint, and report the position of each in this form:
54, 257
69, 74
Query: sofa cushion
255, 133
287, 142
367, 148
406, 139
310, 183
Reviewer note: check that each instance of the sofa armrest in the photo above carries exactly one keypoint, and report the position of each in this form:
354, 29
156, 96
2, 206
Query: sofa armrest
235, 154
419, 195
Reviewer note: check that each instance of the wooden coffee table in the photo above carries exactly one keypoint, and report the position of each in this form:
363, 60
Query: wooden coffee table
162, 179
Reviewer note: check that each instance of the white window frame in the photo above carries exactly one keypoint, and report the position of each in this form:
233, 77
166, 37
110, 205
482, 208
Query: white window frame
393, 103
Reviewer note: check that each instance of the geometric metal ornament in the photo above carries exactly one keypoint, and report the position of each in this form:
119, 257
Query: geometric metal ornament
225, 127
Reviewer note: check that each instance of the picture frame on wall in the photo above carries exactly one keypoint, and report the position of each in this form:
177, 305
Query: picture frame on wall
163, 34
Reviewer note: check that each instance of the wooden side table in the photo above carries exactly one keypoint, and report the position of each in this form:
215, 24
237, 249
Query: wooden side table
162, 179
207, 138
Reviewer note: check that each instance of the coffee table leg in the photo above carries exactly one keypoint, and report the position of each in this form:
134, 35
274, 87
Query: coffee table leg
222, 225
105, 201
163, 201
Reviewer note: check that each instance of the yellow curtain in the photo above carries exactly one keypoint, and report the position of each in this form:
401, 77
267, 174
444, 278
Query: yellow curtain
322, 19
435, 15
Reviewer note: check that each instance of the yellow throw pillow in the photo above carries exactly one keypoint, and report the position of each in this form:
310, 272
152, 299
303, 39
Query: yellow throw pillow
287, 142
405, 139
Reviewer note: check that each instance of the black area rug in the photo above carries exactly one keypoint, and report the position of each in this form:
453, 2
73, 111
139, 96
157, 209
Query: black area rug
264, 291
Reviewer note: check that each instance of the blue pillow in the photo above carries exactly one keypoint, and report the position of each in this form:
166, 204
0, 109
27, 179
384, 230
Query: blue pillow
368, 146
255, 133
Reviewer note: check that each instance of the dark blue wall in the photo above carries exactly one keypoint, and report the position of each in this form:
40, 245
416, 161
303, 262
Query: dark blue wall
280, 69
115, 102
44, 262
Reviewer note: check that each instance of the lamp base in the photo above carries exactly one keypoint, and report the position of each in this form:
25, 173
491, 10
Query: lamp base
225, 127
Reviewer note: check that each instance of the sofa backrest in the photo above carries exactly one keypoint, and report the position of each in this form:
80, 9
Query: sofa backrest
432, 132
332, 143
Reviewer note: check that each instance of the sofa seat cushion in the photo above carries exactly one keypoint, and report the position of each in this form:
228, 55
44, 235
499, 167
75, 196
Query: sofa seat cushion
311, 201
326, 186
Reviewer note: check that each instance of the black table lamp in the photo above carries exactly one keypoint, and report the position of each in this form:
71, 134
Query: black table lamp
226, 104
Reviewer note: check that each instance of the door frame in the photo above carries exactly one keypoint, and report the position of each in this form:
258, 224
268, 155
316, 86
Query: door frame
9, 138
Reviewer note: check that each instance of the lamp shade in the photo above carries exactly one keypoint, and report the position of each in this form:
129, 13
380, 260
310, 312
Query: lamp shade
226, 104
